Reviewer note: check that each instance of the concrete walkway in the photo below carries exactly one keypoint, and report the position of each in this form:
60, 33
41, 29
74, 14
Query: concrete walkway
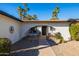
45, 50
25, 47
35, 47
43, 47
67, 49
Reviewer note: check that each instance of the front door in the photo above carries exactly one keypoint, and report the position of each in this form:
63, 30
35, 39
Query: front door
44, 30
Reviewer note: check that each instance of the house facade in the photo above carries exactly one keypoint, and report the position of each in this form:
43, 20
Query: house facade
15, 29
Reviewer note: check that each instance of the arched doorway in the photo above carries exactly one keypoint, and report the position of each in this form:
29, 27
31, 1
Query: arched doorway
42, 30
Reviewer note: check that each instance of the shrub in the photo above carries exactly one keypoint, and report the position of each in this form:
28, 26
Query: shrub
74, 31
59, 36
4, 46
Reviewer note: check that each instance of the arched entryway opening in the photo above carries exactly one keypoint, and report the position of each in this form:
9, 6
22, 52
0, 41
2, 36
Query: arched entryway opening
41, 30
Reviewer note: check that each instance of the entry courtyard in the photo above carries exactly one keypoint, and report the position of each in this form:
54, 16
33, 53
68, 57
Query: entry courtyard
47, 30
44, 47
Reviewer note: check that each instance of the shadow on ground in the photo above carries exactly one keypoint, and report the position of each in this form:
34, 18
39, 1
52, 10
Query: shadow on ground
32, 52
51, 42
25, 43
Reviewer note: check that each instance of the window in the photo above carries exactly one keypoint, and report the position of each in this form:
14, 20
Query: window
11, 29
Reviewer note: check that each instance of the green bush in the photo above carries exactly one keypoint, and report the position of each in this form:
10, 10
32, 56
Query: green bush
74, 31
4, 46
59, 36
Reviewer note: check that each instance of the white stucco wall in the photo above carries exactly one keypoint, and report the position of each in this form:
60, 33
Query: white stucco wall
63, 28
21, 28
5, 23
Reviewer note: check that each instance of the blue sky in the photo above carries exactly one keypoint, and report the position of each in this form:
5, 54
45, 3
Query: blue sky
44, 10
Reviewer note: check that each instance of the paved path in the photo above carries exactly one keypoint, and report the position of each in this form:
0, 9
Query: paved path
46, 49
36, 47
41, 47
25, 47
67, 49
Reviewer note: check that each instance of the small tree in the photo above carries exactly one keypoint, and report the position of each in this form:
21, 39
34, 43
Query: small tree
34, 17
55, 13
20, 11
23, 13
26, 9
29, 17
